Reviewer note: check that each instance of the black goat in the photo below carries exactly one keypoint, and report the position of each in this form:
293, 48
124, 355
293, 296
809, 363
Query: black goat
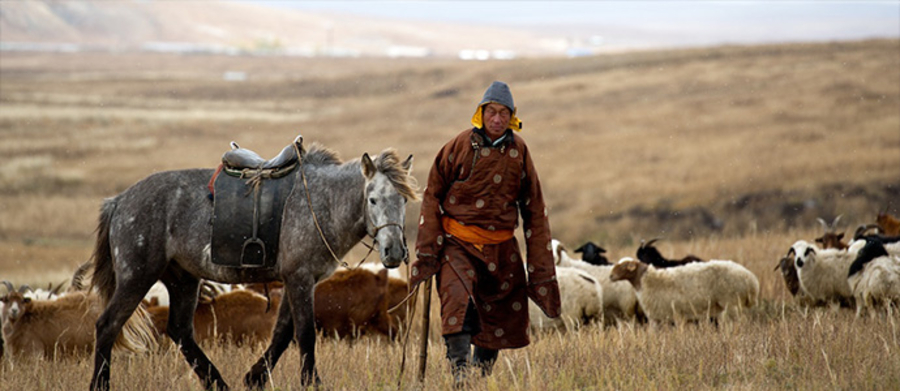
592, 253
862, 234
648, 254
874, 248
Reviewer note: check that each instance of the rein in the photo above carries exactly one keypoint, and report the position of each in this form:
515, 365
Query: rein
309, 203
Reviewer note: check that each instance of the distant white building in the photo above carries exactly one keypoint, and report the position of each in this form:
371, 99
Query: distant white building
408, 51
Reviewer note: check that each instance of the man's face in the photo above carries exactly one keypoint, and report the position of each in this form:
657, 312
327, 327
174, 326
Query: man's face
496, 119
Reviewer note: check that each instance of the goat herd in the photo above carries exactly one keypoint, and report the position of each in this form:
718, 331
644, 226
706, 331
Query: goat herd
864, 272
351, 303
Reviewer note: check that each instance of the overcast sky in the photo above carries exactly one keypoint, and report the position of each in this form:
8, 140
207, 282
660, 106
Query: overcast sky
726, 21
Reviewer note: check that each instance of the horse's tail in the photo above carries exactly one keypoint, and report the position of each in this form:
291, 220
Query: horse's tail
137, 334
104, 277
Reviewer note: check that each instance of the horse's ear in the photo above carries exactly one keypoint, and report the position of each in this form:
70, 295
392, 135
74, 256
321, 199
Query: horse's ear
407, 165
368, 167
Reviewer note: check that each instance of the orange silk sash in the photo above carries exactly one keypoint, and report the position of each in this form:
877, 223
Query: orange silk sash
477, 236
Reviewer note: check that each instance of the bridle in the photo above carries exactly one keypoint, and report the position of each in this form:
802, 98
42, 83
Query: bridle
371, 231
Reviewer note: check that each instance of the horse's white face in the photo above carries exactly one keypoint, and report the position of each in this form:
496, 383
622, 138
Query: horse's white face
385, 215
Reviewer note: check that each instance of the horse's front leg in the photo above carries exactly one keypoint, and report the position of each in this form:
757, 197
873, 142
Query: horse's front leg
305, 330
281, 339
183, 301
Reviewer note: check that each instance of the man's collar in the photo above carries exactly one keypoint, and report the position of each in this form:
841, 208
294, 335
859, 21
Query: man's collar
506, 137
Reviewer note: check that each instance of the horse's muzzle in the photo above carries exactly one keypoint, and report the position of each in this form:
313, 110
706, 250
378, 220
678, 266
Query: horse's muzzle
392, 255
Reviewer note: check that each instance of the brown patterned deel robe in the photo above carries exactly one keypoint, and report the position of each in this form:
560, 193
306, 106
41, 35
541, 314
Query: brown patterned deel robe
488, 187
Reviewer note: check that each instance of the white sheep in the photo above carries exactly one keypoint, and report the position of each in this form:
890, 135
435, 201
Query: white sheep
823, 273
874, 277
699, 290
619, 298
581, 299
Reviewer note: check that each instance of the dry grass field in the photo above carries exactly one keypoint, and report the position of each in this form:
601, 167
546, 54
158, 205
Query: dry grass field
728, 152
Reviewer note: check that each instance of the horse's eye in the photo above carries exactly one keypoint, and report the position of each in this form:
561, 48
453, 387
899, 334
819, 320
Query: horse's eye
372, 201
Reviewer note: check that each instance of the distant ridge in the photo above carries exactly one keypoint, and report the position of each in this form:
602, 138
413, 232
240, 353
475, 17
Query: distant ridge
232, 27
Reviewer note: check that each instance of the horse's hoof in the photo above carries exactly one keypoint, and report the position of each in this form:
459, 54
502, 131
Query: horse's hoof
255, 380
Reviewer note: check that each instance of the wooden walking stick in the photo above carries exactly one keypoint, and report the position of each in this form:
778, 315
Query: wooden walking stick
426, 320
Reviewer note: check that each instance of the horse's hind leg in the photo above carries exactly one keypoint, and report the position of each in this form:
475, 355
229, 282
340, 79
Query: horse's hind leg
125, 300
182, 302
281, 339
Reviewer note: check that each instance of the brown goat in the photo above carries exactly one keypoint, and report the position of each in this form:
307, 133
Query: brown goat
356, 301
890, 225
49, 327
238, 317
349, 303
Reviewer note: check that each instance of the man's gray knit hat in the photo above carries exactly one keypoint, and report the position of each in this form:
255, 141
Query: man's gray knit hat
498, 92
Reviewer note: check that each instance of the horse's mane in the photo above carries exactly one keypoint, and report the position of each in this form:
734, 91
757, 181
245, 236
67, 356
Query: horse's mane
320, 155
389, 164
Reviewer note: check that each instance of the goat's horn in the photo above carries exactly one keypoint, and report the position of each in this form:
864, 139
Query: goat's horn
9, 286
823, 223
863, 228
58, 288
836, 219
24, 288
650, 243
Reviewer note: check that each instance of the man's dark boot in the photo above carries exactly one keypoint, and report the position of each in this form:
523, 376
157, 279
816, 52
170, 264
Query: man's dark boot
484, 358
458, 354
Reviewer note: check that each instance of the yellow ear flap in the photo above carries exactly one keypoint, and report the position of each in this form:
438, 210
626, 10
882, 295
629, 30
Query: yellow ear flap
514, 122
477, 121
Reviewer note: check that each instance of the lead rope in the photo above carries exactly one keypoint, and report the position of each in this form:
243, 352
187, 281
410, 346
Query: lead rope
309, 203
410, 315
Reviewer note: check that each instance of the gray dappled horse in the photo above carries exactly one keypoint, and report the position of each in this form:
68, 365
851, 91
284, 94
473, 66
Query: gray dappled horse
159, 229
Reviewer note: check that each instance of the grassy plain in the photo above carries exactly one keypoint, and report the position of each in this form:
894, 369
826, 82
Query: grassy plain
728, 152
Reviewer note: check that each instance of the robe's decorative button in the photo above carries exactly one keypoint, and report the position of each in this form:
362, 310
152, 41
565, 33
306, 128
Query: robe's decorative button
479, 204
513, 153
497, 178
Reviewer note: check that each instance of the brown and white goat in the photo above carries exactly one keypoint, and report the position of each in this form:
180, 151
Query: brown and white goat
831, 238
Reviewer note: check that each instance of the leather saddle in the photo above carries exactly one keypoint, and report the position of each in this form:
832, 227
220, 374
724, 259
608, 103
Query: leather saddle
248, 205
